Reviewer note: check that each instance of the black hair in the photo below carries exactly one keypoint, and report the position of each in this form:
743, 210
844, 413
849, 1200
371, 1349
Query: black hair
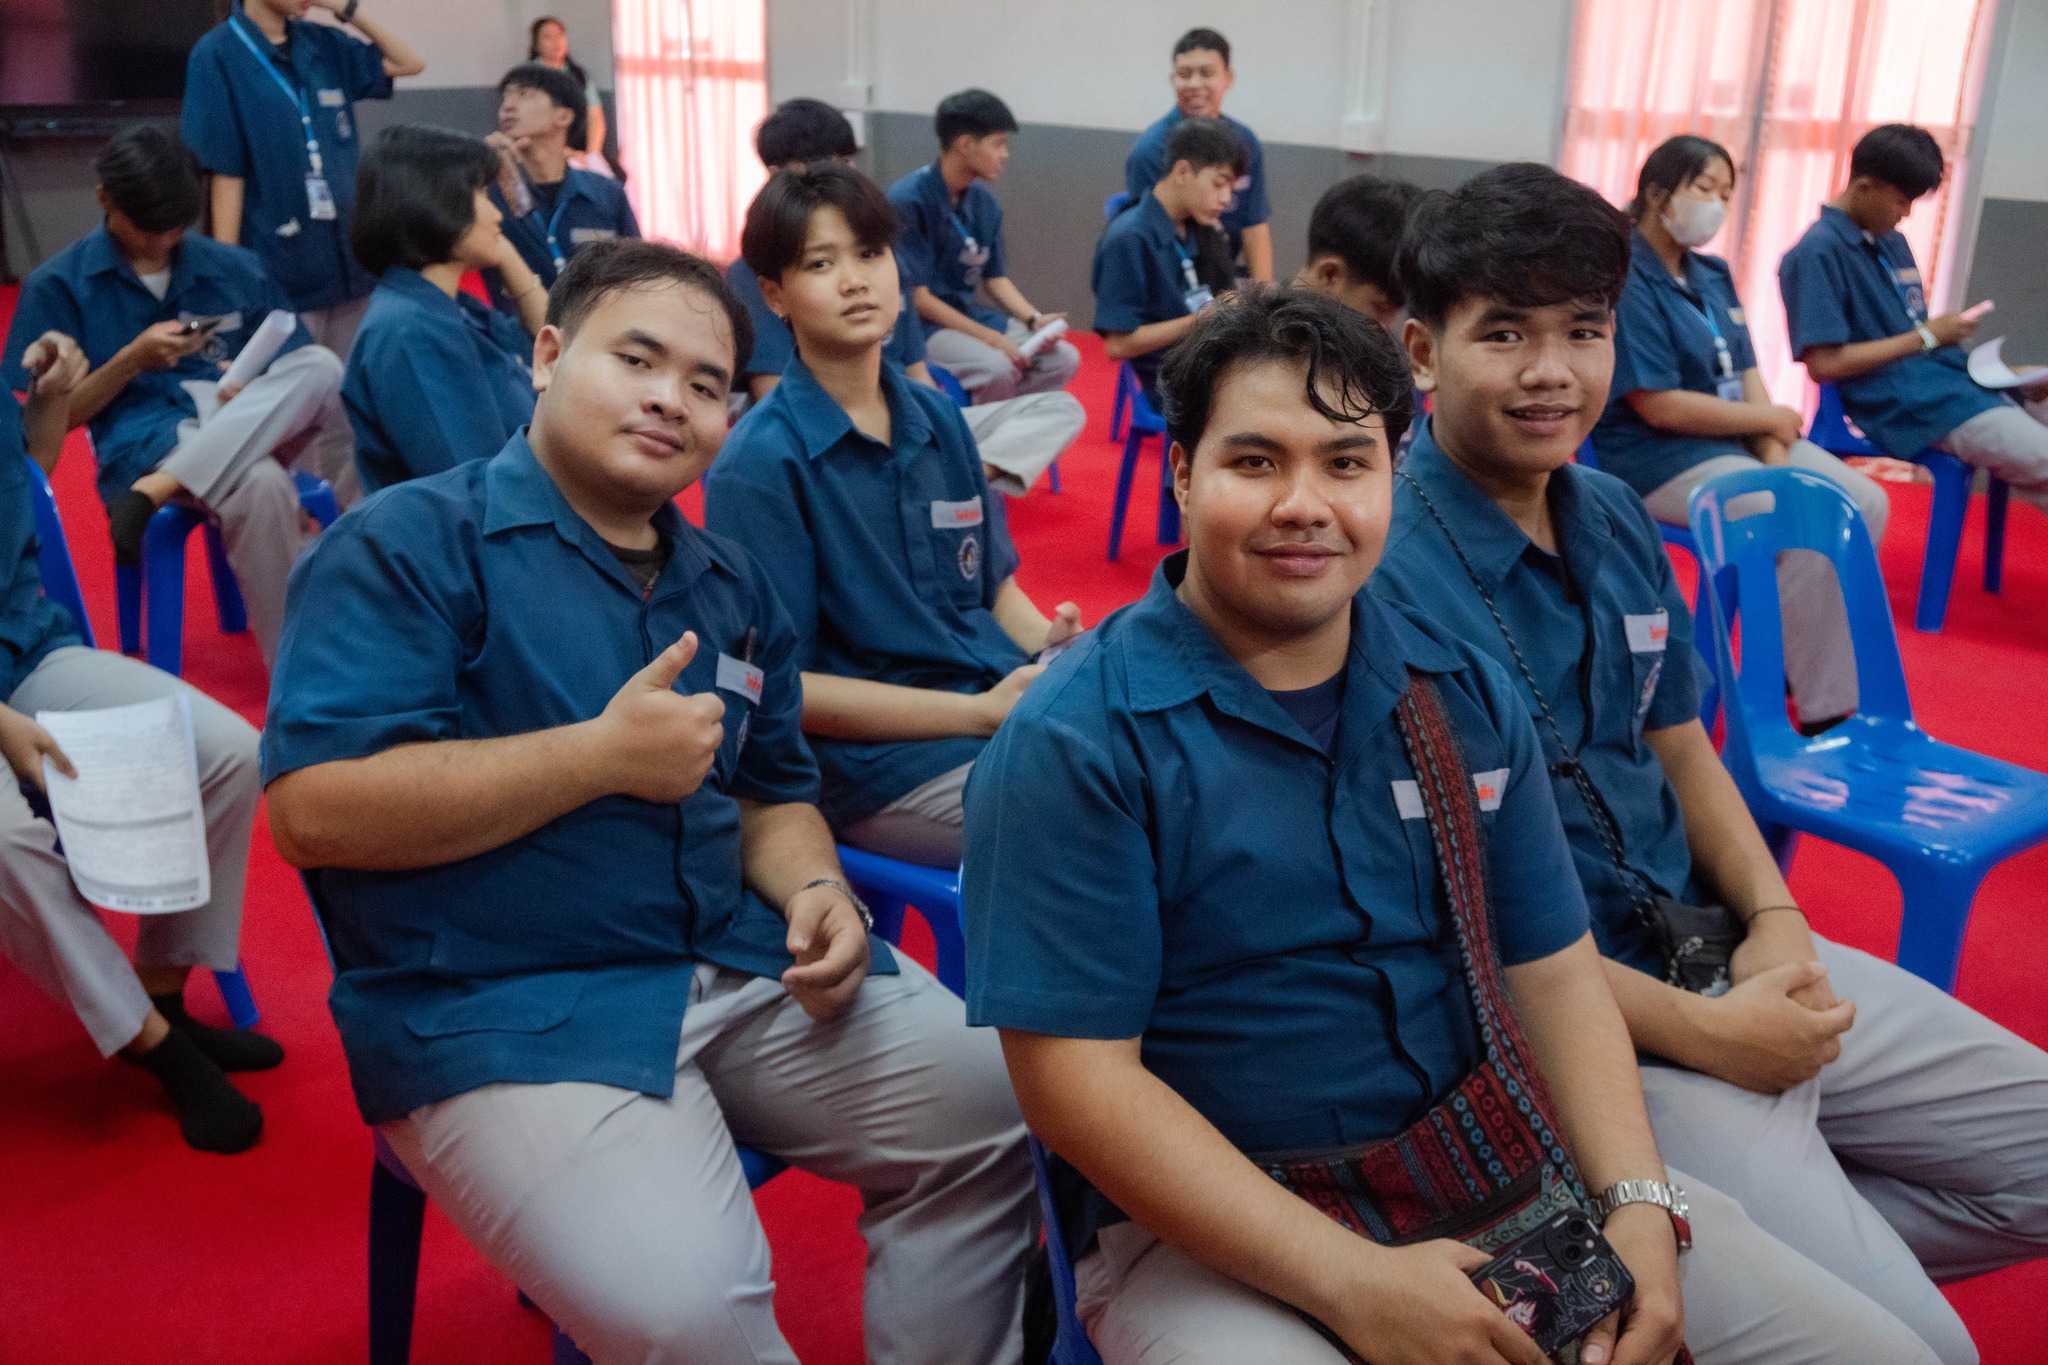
974, 113
779, 219
1521, 234
150, 176
1360, 222
602, 269
1677, 161
1205, 142
1355, 370
801, 131
416, 195
1902, 156
1204, 40
569, 63
562, 89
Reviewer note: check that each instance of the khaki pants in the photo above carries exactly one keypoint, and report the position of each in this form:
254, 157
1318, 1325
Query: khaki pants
990, 376
48, 930
628, 1220
2011, 443
925, 825
1020, 436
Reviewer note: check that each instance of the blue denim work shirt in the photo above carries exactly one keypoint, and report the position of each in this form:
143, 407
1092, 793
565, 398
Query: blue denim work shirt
1140, 275
31, 625
1146, 166
950, 247
588, 208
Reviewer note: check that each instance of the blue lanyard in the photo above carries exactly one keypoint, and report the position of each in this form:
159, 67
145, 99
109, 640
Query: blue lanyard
555, 222
1187, 265
1721, 351
291, 92
1916, 316
959, 223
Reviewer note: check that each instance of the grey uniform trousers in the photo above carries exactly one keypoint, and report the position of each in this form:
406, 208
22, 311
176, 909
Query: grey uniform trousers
1020, 436
48, 930
990, 376
627, 1218
2010, 442
234, 459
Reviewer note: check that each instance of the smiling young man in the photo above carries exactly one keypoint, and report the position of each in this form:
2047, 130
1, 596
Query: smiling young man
534, 737
1919, 1132
1204, 912
1202, 76
864, 497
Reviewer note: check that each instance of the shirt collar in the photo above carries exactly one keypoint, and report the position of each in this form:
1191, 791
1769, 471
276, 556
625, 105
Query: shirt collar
404, 280
189, 262
1170, 658
1647, 265
938, 192
1153, 217
822, 424
1844, 227
1489, 537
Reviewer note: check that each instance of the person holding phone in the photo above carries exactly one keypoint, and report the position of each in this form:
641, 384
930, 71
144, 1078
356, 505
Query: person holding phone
159, 311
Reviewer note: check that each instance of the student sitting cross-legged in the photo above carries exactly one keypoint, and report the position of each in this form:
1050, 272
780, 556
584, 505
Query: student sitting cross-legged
1856, 306
1687, 405
1150, 274
159, 310
864, 498
436, 378
949, 237
1876, 1158
535, 737
47, 928
1018, 437
1265, 869
540, 113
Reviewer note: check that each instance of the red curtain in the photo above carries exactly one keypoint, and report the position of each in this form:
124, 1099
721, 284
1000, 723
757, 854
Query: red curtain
692, 83
1787, 86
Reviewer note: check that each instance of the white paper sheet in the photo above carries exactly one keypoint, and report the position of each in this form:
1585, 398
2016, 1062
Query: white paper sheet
261, 348
133, 828
1988, 368
1043, 337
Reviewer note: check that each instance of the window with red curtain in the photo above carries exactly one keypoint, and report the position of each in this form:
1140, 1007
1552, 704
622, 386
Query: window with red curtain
1788, 86
691, 79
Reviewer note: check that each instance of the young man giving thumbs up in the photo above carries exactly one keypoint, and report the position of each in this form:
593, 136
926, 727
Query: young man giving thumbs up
536, 740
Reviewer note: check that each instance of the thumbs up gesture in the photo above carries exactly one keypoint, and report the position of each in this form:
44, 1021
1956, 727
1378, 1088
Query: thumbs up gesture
659, 743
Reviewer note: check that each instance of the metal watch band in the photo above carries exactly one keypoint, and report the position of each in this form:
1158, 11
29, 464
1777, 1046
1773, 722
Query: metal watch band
1928, 341
867, 918
1669, 1197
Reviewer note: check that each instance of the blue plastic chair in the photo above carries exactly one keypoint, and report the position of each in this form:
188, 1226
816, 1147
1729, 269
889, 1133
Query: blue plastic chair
1126, 378
159, 581
1939, 817
60, 585
956, 391
1144, 421
1833, 432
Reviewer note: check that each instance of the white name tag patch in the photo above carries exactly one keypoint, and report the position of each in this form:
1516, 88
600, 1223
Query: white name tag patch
1488, 786
332, 99
743, 678
955, 516
1646, 632
585, 236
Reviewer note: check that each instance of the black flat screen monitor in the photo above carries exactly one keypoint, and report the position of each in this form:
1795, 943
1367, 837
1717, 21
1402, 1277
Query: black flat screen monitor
83, 53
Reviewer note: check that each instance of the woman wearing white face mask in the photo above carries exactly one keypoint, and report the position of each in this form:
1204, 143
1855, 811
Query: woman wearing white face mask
1687, 404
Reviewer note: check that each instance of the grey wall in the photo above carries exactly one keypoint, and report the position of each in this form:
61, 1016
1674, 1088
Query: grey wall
2011, 267
1058, 177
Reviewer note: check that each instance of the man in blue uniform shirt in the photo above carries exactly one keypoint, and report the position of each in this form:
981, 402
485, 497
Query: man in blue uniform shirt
270, 111
1149, 274
1856, 306
536, 739
540, 109
158, 311
949, 239
865, 497
1915, 1137
1202, 76
1018, 437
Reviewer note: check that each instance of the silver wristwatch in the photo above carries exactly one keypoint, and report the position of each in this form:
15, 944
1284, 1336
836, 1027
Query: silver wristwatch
1928, 341
1669, 1197
867, 917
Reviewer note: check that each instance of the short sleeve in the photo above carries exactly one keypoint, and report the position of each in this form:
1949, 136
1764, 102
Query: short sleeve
1736, 320
1538, 906
1121, 297
906, 343
207, 122
44, 306
390, 573
1058, 888
362, 66
1003, 559
626, 225
998, 266
1816, 311
775, 765
744, 511
913, 245
1256, 208
430, 397
1142, 169
1644, 357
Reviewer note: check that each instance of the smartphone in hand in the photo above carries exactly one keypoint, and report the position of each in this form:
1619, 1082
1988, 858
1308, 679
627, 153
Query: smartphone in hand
194, 326
1558, 1281
1978, 310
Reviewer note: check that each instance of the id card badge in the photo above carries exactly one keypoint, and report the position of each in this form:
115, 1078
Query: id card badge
1730, 389
320, 200
1198, 299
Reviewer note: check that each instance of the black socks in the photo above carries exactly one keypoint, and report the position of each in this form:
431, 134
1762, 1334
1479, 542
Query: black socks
212, 1114
127, 520
230, 1049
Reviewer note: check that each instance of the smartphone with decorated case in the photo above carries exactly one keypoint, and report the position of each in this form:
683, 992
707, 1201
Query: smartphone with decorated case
1556, 1282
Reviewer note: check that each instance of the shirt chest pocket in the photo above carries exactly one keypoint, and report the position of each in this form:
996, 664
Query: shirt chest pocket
740, 684
959, 531
1646, 634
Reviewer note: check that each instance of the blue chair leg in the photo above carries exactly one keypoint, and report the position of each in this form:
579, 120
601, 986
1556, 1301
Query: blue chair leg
236, 995
227, 593
566, 1351
128, 606
1132, 441
1120, 405
1936, 900
1994, 530
1053, 472
1944, 539
1169, 508
397, 1214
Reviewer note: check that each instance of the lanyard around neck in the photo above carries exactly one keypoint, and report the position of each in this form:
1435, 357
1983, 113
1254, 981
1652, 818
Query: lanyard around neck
1187, 265
291, 90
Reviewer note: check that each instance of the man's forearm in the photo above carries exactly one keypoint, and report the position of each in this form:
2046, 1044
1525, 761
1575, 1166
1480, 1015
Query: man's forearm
862, 709
785, 847
1828, 364
1153, 336
1661, 1019
422, 805
224, 195
1010, 298
44, 422
938, 312
1729, 854
100, 388
399, 59
1258, 251
1700, 414
1020, 617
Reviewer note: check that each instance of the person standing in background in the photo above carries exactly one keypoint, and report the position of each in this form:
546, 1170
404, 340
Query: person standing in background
547, 42
1202, 76
270, 112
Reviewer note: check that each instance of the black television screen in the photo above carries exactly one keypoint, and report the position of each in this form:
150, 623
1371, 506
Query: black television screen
84, 52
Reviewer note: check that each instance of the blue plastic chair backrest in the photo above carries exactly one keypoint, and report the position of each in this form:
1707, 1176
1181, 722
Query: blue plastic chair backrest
1740, 523
1116, 203
53, 555
1832, 431
955, 390
1144, 416
1586, 455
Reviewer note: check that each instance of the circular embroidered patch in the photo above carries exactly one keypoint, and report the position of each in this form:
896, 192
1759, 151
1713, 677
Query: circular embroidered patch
970, 557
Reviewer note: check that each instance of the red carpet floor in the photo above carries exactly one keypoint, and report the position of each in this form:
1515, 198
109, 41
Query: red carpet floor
118, 1244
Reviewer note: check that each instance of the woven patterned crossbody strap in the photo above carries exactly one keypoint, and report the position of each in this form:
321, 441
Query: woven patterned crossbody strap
1445, 784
